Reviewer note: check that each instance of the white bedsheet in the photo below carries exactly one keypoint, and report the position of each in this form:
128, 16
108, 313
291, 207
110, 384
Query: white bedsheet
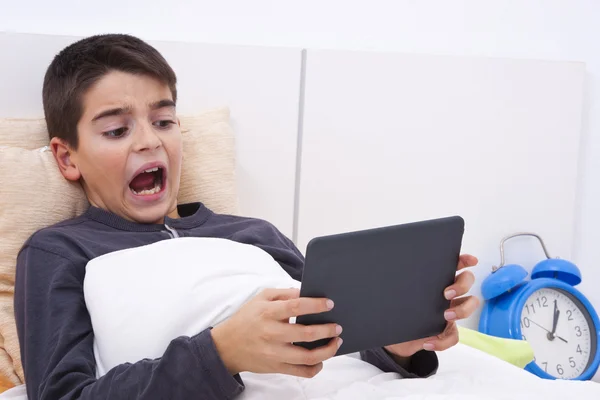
182, 286
464, 374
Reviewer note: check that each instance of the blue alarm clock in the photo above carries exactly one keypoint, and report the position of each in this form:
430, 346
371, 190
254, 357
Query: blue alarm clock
556, 319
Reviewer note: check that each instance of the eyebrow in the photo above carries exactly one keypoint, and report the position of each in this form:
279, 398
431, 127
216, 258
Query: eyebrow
166, 103
112, 112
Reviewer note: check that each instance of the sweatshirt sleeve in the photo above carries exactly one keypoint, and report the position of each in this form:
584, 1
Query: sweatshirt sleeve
421, 365
56, 339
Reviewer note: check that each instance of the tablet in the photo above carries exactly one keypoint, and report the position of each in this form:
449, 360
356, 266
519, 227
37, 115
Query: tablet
387, 283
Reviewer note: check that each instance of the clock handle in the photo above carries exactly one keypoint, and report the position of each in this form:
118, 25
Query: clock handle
495, 268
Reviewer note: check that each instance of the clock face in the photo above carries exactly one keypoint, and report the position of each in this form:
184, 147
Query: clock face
560, 331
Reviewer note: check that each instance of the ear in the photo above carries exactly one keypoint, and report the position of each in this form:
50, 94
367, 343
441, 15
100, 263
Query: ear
65, 158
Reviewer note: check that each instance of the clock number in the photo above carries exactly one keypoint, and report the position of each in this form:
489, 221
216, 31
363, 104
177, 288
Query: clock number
532, 309
570, 315
578, 330
543, 302
526, 322
545, 366
559, 369
572, 362
579, 349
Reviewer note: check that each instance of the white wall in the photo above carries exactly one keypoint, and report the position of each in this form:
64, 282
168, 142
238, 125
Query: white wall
393, 137
539, 29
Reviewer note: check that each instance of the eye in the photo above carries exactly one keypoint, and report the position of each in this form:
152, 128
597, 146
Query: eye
115, 133
163, 124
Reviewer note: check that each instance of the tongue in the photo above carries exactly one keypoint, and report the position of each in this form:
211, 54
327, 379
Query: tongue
144, 181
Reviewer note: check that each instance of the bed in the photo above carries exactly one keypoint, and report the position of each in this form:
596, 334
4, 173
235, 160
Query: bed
242, 116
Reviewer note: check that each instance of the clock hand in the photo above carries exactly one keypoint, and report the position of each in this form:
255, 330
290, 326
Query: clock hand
535, 323
562, 339
555, 322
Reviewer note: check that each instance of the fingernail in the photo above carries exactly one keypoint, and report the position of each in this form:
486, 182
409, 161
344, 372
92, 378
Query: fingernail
450, 294
339, 342
428, 346
329, 304
450, 315
338, 330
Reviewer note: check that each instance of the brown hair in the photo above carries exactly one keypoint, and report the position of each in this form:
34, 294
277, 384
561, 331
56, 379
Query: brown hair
77, 67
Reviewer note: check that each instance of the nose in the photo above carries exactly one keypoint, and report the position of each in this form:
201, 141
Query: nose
145, 138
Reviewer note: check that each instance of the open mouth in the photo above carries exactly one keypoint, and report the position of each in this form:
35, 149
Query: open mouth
148, 182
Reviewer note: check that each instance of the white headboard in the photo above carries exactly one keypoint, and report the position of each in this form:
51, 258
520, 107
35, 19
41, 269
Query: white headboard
260, 85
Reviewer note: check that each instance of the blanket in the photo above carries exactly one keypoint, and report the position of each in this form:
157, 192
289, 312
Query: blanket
465, 373
182, 286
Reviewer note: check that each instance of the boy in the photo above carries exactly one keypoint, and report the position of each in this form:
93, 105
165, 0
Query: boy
109, 103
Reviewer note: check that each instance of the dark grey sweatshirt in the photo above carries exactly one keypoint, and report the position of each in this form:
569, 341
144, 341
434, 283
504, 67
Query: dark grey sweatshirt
55, 331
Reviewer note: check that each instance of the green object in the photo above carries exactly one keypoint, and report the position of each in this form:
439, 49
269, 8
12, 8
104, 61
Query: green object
516, 352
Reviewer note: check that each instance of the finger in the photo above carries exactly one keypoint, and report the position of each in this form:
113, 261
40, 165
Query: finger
280, 294
451, 329
292, 354
461, 286
308, 333
458, 301
445, 340
448, 339
450, 326
303, 371
283, 310
462, 308
466, 261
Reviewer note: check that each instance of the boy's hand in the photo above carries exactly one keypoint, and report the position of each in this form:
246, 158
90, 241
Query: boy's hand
460, 308
258, 338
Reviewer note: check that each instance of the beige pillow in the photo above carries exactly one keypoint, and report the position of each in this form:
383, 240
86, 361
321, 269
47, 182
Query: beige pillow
25, 133
208, 167
33, 195
208, 170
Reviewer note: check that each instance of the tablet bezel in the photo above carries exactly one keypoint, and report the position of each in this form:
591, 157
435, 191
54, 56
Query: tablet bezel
422, 257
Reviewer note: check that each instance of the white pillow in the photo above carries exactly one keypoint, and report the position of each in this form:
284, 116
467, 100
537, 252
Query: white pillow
140, 299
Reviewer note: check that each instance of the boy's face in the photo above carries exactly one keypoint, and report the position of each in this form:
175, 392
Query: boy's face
129, 153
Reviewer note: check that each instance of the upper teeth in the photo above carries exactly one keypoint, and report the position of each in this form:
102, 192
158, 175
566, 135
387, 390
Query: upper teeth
151, 169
